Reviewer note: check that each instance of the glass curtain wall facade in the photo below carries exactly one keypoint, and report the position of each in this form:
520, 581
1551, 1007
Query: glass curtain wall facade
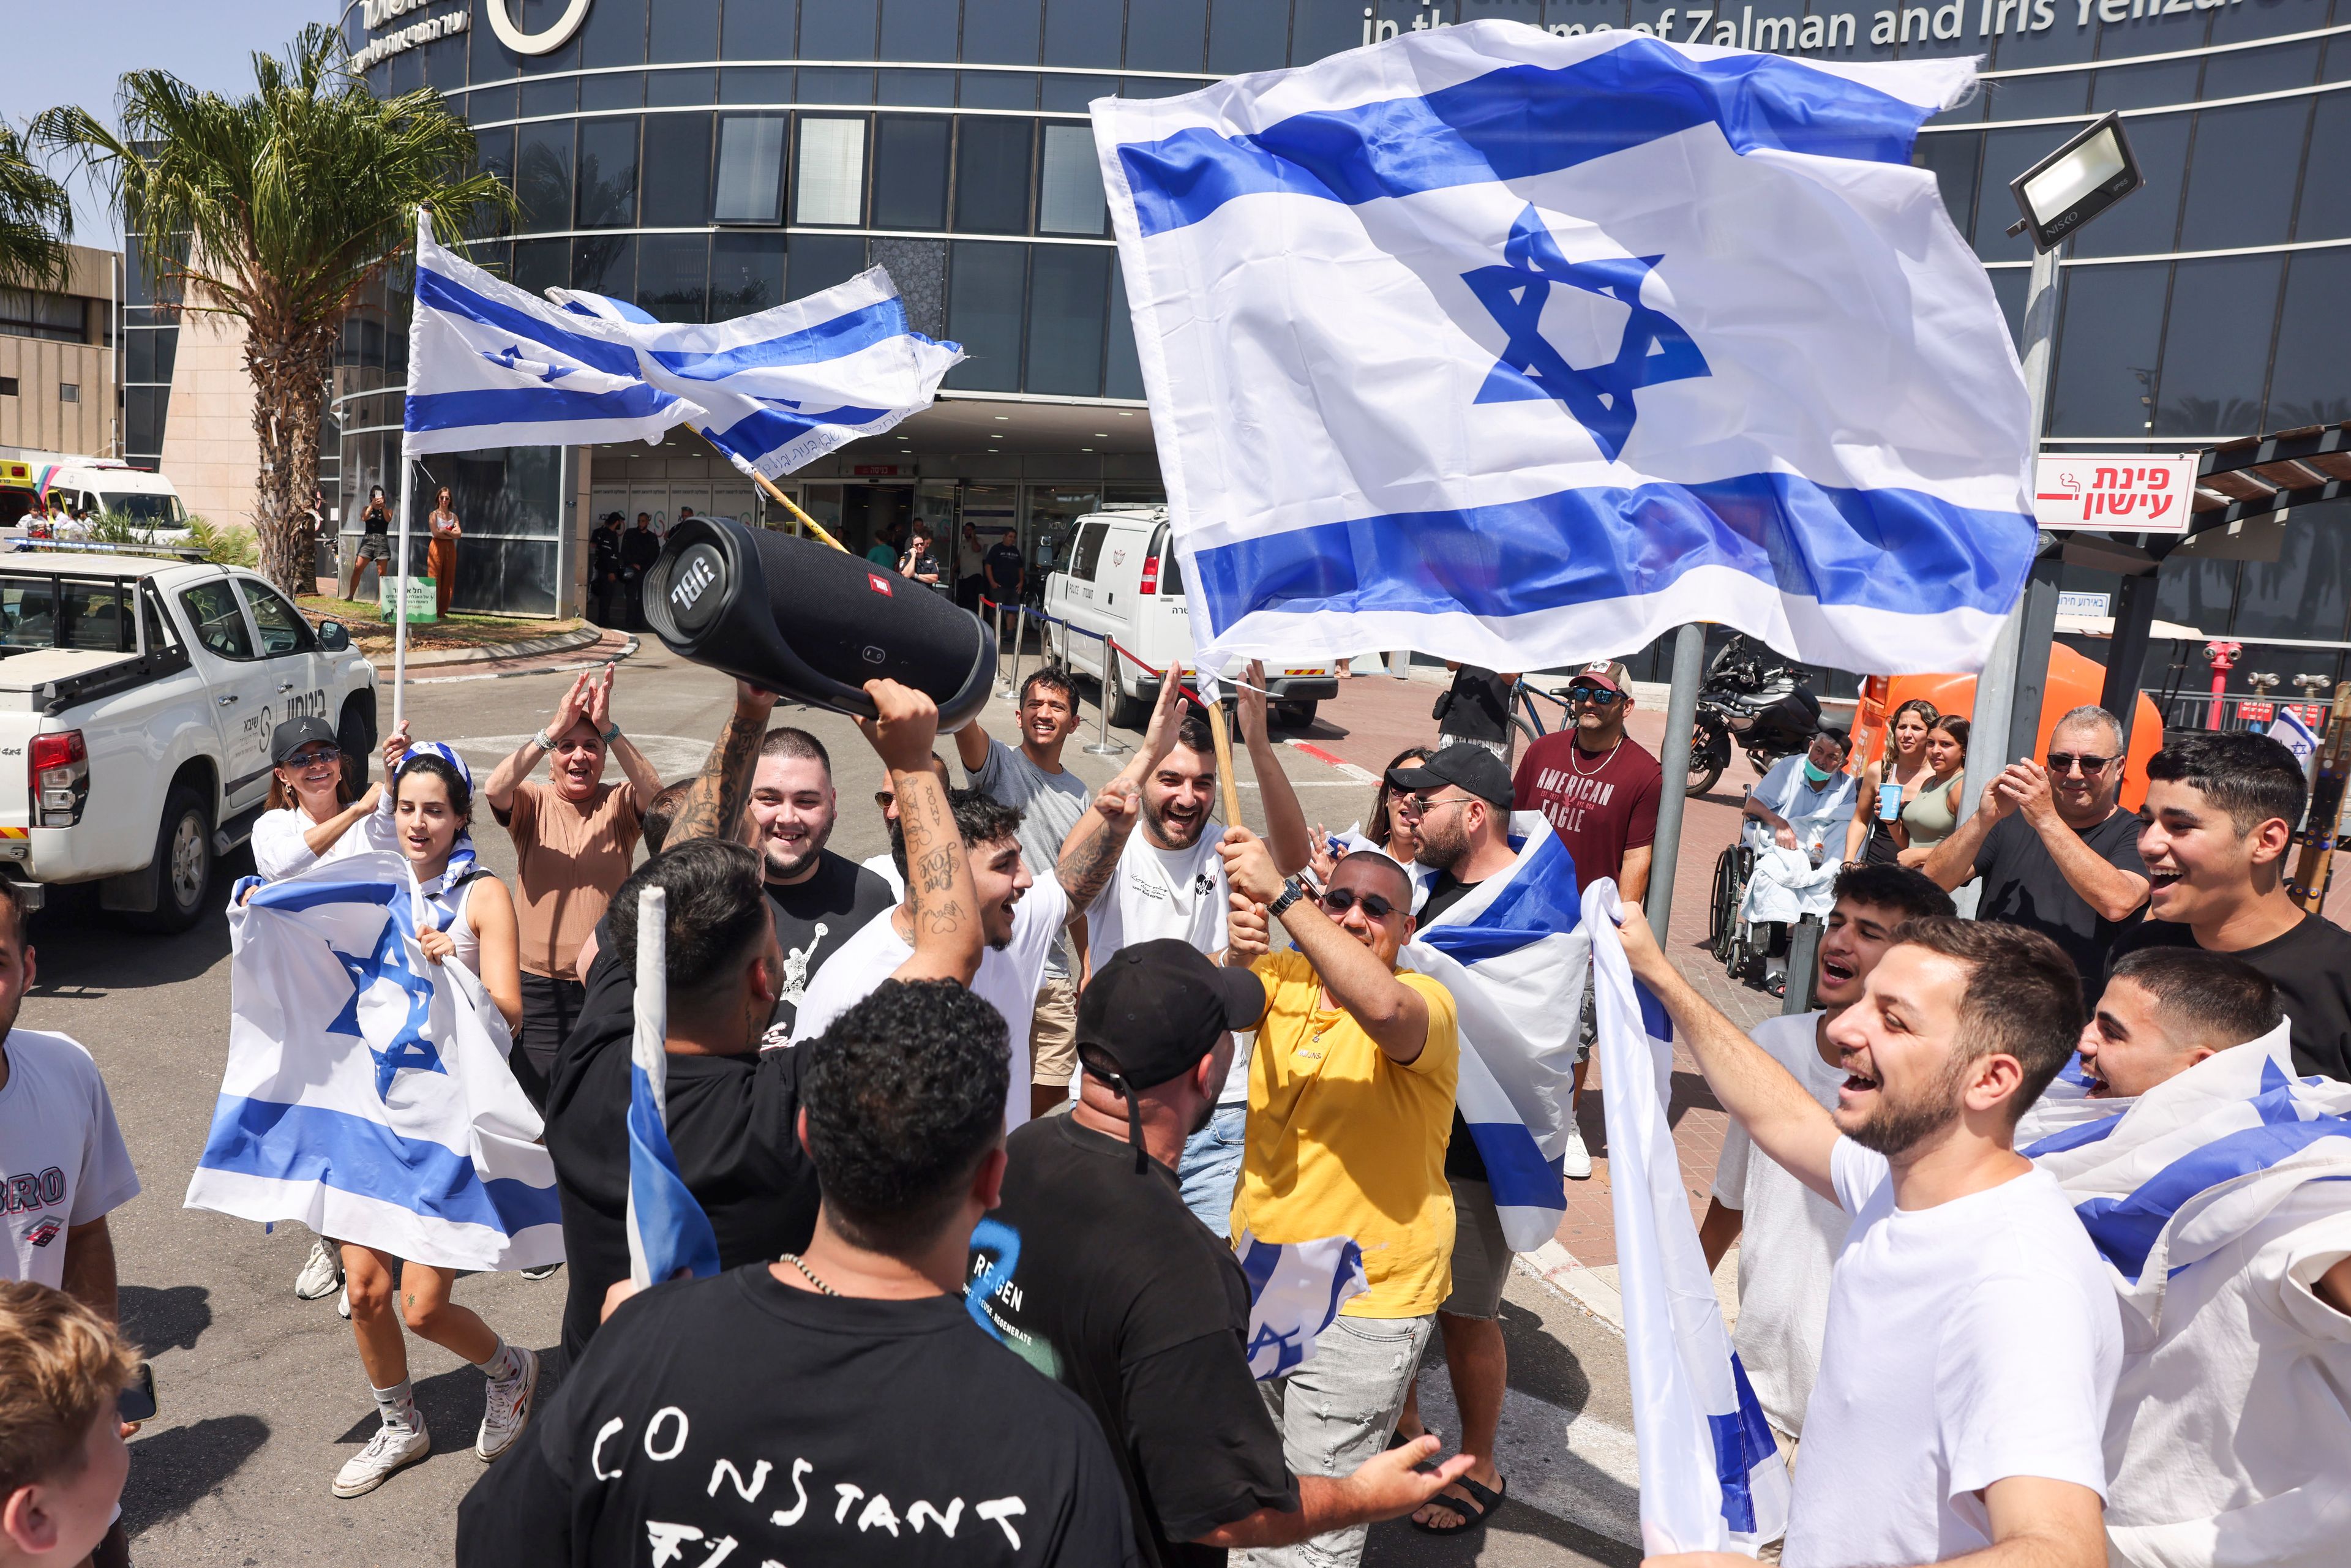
711, 157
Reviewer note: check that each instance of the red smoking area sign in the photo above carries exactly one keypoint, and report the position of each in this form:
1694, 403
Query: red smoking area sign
2121, 492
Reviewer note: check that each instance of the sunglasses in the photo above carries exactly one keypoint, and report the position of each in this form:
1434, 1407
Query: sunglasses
315, 758
1420, 805
885, 799
2063, 761
1599, 695
1340, 899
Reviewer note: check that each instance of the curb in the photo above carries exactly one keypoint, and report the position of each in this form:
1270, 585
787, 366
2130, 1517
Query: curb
562, 642
1555, 1268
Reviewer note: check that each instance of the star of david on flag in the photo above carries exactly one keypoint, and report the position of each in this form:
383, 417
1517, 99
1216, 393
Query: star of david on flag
366, 1092
1520, 351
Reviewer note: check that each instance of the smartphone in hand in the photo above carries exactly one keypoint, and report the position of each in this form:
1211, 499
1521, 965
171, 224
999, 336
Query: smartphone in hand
137, 1401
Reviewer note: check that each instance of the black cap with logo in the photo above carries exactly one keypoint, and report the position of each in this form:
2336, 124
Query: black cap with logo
1472, 768
1154, 1009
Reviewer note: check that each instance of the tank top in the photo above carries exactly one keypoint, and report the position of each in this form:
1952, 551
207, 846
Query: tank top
450, 913
1928, 815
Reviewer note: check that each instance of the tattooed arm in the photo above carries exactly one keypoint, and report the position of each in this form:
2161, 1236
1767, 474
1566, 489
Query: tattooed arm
942, 912
713, 807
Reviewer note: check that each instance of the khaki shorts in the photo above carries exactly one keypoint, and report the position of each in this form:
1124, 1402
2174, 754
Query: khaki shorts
1053, 1032
1481, 1259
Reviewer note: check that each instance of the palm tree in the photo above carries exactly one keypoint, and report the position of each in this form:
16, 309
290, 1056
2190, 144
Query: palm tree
279, 209
35, 218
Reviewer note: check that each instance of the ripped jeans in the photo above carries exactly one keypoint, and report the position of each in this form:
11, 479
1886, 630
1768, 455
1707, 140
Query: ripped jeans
1335, 1412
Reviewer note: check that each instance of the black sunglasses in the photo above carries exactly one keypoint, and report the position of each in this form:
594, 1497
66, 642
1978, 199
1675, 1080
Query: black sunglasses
1599, 695
1340, 899
883, 798
2063, 761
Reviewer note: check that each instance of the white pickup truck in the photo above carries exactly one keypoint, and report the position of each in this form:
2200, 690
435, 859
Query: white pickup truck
137, 698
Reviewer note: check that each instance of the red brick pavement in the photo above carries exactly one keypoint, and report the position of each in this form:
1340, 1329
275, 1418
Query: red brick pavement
1372, 718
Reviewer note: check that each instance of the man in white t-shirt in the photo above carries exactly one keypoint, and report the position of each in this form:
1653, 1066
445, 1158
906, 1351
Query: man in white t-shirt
1973, 1340
1791, 1235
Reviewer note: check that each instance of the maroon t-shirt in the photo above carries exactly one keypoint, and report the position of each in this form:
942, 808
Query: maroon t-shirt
1599, 806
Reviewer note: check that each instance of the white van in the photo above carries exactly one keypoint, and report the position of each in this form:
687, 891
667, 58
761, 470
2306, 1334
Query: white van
1124, 582
80, 487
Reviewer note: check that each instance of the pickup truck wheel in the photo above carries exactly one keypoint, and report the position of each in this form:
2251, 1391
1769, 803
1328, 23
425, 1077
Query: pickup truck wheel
184, 864
1297, 716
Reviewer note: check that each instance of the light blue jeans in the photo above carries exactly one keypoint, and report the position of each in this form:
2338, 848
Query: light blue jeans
1212, 1168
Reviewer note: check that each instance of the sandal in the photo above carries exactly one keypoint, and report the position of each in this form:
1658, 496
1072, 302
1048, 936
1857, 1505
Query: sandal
1472, 1513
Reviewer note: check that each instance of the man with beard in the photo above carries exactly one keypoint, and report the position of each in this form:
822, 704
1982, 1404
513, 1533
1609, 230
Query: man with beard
1112, 1289
2214, 832
1973, 1339
1791, 1235
820, 899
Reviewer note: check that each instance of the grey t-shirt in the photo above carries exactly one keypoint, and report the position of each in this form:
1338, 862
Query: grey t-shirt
1050, 804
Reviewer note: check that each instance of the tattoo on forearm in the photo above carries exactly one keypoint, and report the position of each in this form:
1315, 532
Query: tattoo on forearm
935, 873
1086, 869
715, 800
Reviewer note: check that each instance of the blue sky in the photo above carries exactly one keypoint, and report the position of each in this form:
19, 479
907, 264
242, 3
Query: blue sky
74, 51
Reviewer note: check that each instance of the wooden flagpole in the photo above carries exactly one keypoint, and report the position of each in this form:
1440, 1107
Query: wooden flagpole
810, 524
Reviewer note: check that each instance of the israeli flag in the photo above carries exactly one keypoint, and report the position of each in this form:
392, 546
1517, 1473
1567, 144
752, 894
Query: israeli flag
1711, 1476
668, 1233
780, 388
492, 365
1514, 953
1520, 349
2289, 730
367, 1093
1296, 1289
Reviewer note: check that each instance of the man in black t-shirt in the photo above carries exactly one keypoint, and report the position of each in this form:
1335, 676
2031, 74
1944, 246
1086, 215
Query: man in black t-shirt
731, 1106
2056, 853
800, 1408
1002, 568
2216, 827
820, 899
640, 547
1095, 1273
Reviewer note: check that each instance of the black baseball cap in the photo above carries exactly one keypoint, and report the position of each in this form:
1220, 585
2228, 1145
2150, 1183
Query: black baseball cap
294, 735
1157, 1008
1473, 767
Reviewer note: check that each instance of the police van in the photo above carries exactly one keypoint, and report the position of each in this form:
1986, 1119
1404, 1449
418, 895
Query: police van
1123, 583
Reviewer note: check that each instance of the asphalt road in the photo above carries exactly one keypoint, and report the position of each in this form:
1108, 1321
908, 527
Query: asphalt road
261, 1396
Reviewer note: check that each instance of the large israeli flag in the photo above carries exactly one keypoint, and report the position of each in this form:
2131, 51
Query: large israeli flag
1712, 1476
778, 390
1514, 953
367, 1093
1520, 349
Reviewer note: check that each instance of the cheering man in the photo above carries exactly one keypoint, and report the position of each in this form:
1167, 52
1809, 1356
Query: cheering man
1973, 1340
819, 898
1351, 1099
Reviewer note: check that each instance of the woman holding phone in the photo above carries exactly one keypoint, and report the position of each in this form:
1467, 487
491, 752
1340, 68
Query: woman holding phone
1889, 783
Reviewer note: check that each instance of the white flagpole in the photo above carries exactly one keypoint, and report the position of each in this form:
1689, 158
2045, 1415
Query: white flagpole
400, 598
646, 1048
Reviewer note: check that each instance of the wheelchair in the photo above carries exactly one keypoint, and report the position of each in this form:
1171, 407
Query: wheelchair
1742, 947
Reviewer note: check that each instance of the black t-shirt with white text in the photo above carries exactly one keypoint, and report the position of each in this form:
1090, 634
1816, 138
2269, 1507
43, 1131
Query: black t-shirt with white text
739, 1420
2311, 967
1116, 1290
813, 918
2023, 886
733, 1126
1002, 562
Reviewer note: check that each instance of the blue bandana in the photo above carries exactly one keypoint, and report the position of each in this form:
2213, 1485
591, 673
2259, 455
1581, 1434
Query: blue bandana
461, 854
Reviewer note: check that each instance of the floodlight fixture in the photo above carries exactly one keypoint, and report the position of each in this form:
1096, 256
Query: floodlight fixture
2076, 183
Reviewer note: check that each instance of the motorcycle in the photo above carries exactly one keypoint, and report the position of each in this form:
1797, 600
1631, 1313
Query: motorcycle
1752, 699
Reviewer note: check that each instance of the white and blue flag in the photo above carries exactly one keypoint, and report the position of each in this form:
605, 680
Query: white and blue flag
1296, 1289
1712, 1476
1514, 953
367, 1093
668, 1233
1520, 349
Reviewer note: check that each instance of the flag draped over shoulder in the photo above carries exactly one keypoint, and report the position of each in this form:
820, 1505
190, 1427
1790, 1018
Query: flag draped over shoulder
1514, 955
1712, 1476
1519, 349
367, 1093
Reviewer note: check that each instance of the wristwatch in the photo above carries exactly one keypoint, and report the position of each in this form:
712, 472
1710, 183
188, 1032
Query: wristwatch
1292, 890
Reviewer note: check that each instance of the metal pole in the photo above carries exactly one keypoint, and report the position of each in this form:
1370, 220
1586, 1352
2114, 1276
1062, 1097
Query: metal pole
400, 593
2126, 652
1105, 746
1003, 686
1803, 964
1681, 718
1017, 614
1996, 685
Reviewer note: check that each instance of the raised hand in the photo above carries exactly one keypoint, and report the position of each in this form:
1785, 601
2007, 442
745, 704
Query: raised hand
1249, 701
574, 706
396, 749
600, 699
1166, 717
1323, 858
1249, 933
1249, 865
904, 725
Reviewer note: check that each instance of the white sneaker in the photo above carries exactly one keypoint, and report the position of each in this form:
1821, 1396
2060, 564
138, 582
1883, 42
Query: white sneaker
391, 1449
343, 1302
1577, 1162
322, 1271
506, 1411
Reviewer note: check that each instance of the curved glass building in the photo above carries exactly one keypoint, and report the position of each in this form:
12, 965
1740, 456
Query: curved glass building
710, 157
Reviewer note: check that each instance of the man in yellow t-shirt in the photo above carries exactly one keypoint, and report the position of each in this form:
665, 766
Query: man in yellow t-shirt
1350, 1106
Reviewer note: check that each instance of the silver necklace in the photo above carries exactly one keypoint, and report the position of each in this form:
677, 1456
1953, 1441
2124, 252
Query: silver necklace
1576, 751
807, 1273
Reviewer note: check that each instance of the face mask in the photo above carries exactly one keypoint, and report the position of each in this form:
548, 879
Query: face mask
1817, 776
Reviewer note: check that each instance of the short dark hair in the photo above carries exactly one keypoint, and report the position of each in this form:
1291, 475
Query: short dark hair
12, 899
1893, 887
904, 1096
1052, 680
1843, 740
1404, 877
2250, 777
1192, 731
717, 912
2218, 996
461, 794
660, 811
979, 819
786, 741
2023, 996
